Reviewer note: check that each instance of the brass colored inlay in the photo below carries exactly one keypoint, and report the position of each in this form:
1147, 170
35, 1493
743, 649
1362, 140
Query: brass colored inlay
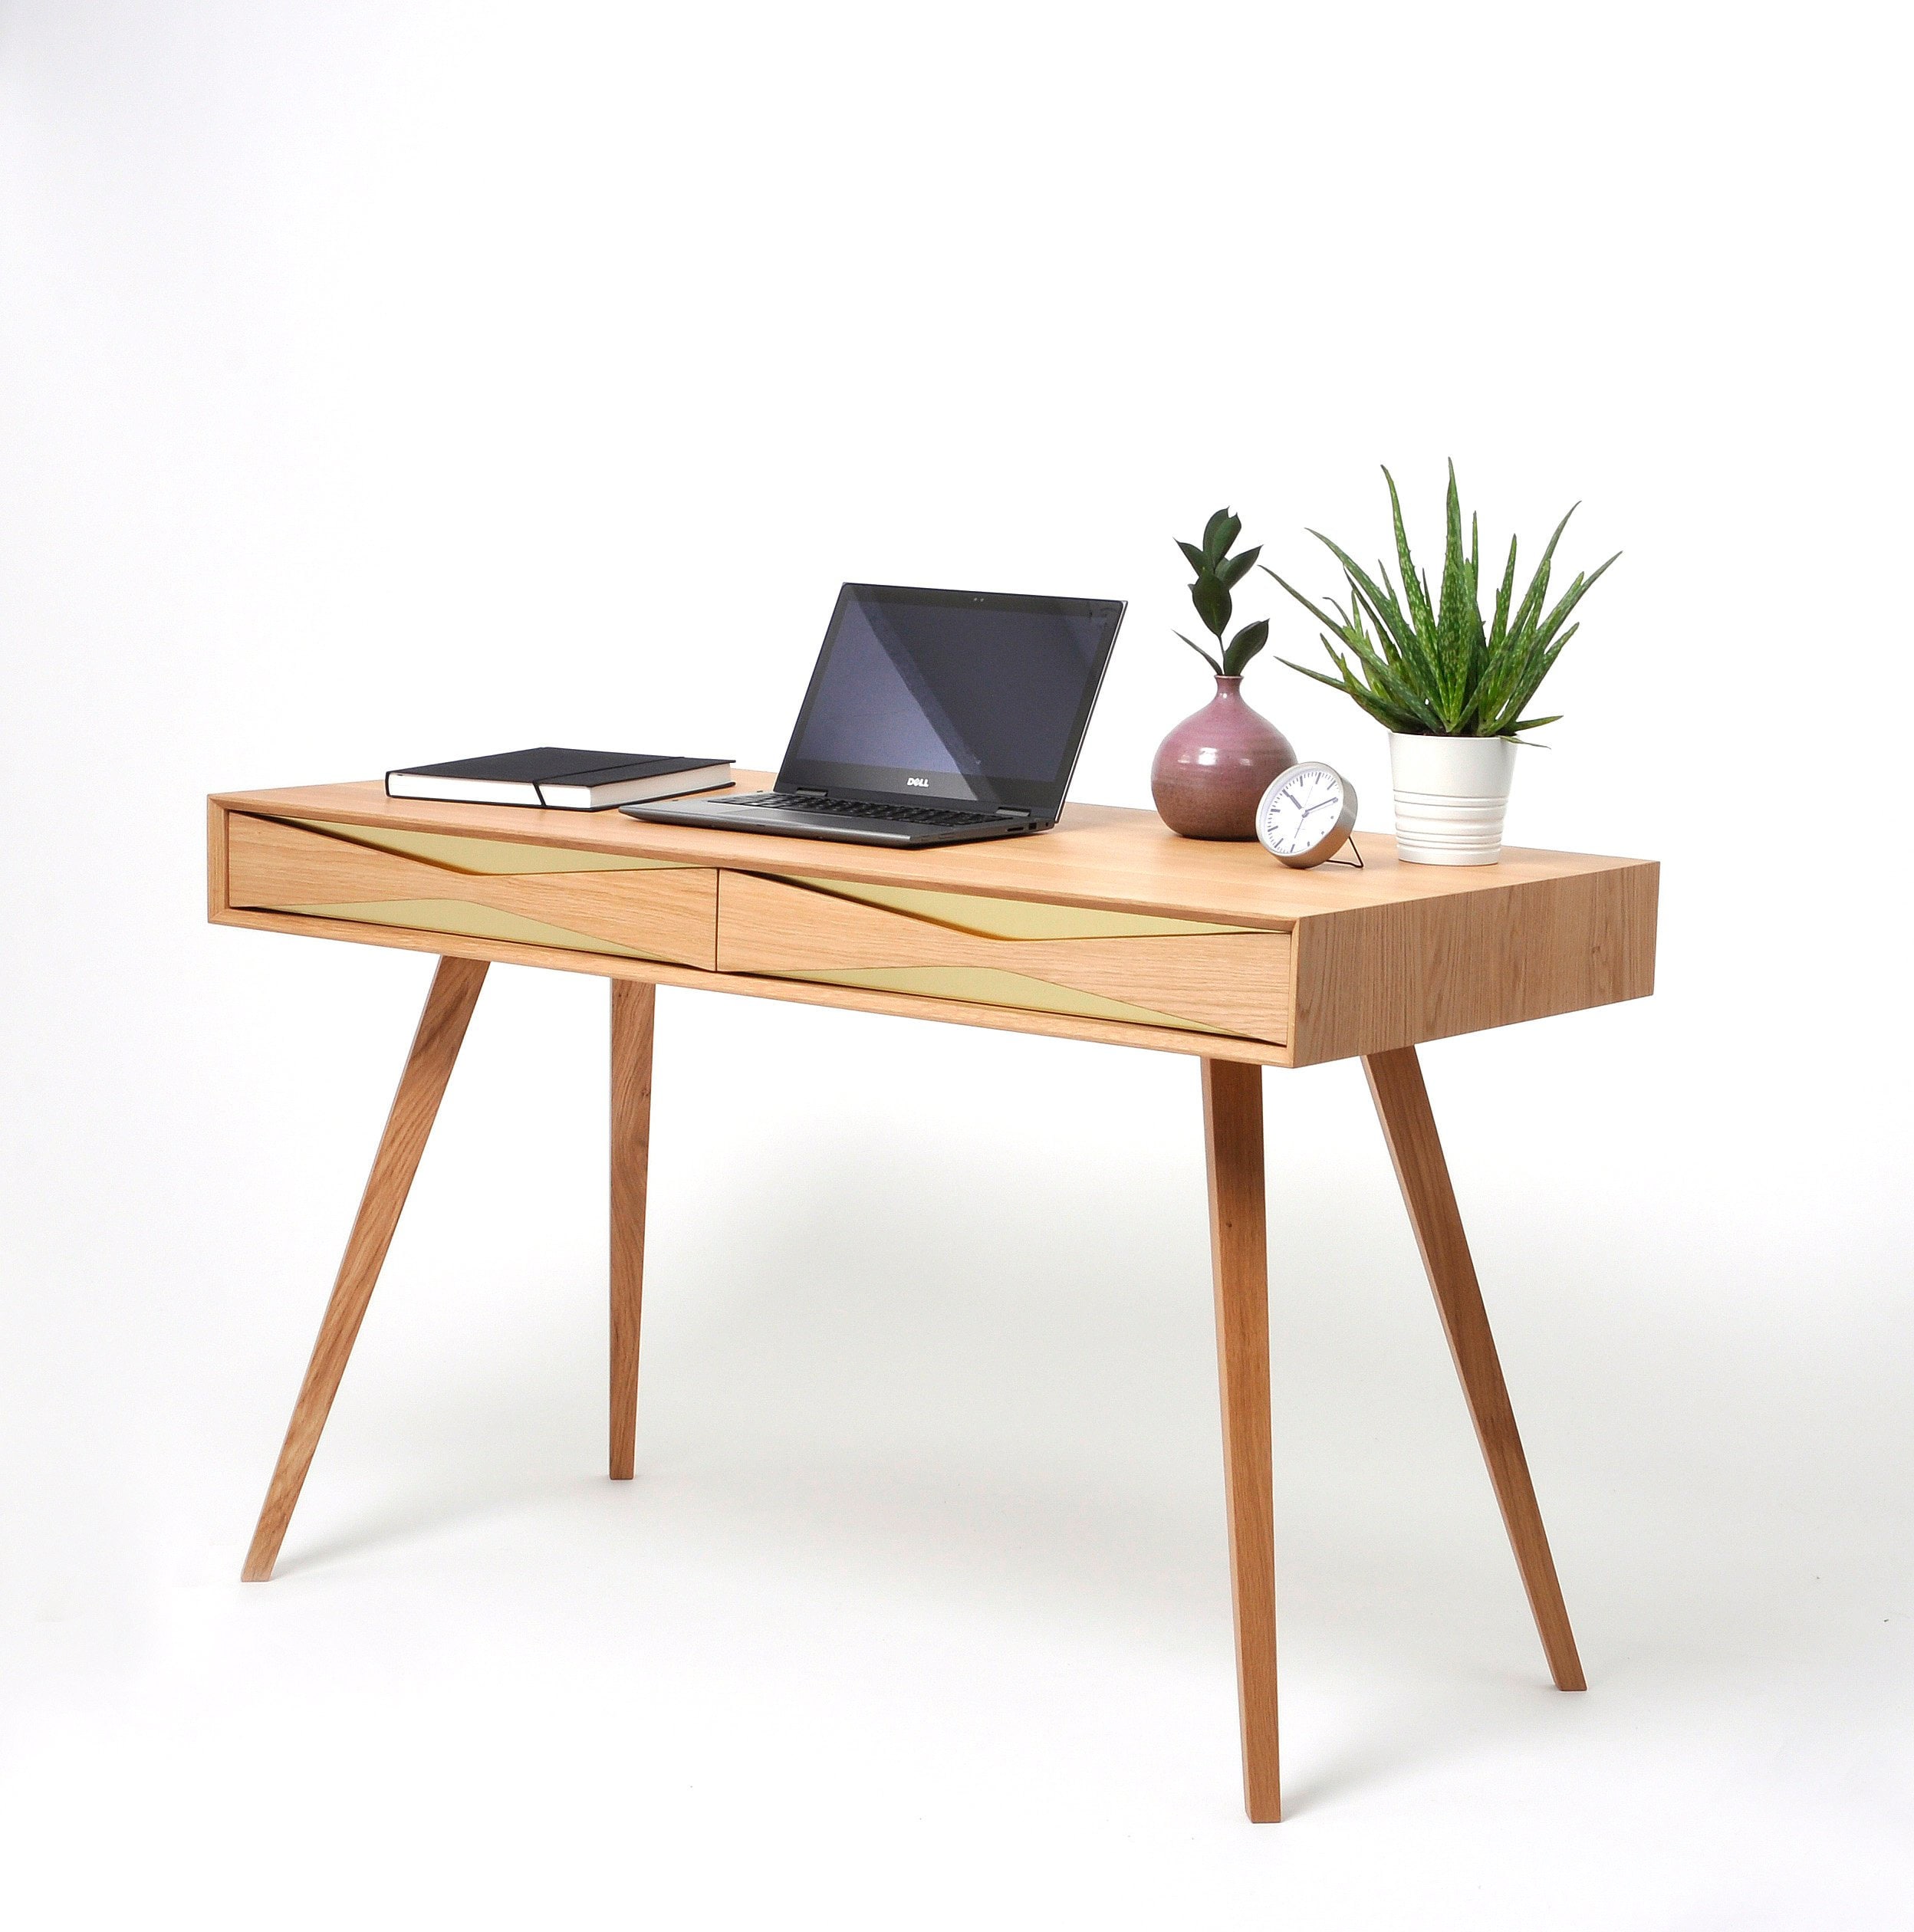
1002, 919
462, 916
991, 986
495, 856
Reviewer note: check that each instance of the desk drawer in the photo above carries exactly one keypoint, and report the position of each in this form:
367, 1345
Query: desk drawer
485, 888
1046, 958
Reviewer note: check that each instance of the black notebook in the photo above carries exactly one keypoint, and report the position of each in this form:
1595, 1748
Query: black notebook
549, 774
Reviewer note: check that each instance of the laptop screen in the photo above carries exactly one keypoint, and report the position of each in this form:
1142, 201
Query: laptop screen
953, 696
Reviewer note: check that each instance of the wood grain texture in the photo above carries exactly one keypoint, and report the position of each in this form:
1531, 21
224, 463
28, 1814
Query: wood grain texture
216, 860
670, 913
455, 992
1099, 855
1236, 981
634, 1021
1371, 978
1009, 918
1409, 1125
1239, 1254
903, 1005
1381, 958
464, 854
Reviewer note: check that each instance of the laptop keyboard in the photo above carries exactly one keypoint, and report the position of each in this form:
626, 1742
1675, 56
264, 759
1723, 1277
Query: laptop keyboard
811, 804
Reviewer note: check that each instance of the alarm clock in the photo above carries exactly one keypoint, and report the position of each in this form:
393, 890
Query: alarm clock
1307, 815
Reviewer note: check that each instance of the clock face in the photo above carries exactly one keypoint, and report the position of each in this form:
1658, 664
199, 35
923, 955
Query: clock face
1309, 805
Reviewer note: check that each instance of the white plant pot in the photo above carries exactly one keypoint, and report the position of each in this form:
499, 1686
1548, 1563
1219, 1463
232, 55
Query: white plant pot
1450, 795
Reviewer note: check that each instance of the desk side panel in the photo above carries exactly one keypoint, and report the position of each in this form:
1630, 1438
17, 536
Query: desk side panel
1372, 978
216, 859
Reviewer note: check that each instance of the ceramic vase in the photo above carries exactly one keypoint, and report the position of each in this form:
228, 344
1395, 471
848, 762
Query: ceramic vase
1450, 795
1212, 769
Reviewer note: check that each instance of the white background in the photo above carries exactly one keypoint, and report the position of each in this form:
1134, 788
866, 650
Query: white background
384, 382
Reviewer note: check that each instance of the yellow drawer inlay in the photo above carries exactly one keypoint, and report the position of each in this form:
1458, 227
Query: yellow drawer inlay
1002, 919
485, 889
993, 986
473, 921
496, 857
1047, 957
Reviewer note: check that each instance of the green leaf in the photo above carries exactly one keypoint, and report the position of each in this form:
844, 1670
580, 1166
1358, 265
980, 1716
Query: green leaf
1201, 652
1321, 617
1198, 562
1383, 607
1435, 666
1219, 533
1536, 594
1244, 646
1499, 630
1388, 680
1212, 605
1454, 611
1389, 711
1415, 593
1321, 677
1570, 598
1391, 678
1376, 708
1232, 570
1412, 704
1533, 669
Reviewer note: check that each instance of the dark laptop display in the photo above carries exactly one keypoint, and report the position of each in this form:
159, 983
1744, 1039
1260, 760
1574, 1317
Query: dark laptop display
950, 695
932, 717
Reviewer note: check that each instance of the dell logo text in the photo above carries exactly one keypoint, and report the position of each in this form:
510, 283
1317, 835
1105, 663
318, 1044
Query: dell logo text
924, 783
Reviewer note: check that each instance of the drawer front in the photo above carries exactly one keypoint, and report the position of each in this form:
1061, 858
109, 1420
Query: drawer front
1004, 952
485, 888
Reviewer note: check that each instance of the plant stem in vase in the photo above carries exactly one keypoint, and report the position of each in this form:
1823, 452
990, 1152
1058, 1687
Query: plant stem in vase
1211, 771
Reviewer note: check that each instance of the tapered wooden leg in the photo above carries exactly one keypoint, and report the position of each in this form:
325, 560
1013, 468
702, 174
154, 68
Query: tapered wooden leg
435, 1048
1395, 1080
633, 1012
1233, 1137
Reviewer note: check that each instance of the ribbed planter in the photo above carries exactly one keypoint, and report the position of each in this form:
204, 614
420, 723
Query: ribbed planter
1451, 796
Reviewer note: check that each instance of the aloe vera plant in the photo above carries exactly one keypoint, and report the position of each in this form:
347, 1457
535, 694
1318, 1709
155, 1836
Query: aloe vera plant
1218, 573
1433, 666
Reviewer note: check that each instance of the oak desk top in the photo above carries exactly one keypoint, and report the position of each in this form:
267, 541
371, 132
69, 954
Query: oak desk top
1384, 957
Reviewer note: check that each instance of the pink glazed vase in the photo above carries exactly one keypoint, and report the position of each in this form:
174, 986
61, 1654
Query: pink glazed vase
1211, 771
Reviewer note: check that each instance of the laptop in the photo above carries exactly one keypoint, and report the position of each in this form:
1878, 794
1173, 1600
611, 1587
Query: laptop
933, 717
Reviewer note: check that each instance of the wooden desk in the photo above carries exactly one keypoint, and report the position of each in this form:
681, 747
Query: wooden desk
1109, 928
